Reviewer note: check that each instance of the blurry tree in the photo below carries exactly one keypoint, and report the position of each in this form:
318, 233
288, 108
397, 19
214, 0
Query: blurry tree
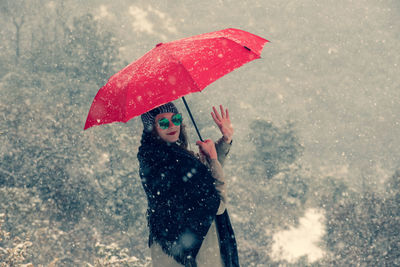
271, 183
275, 147
74, 174
393, 185
327, 191
44, 149
364, 231
12, 252
91, 53
113, 255
48, 36
16, 12
55, 41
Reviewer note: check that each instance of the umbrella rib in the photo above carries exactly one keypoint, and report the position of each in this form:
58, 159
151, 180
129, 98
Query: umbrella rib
125, 119
184, 67
244, 46
183, 96
219, 37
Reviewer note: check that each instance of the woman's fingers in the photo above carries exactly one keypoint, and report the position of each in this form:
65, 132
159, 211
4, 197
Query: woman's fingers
208, 141
208, 148
222, 111
202, 145
222, 119
214, 118
216, 113
207, 144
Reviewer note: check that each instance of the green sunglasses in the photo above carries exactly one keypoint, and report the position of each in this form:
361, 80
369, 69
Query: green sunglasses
164, 122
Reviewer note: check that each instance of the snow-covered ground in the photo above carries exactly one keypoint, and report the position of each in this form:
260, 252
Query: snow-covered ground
301, 240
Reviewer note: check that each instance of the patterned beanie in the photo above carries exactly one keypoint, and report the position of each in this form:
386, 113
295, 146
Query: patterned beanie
149, 117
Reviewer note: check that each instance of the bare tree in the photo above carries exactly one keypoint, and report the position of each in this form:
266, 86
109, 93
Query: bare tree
15, 11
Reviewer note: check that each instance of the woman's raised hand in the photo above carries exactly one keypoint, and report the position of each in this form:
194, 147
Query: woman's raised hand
207, 148
223, 122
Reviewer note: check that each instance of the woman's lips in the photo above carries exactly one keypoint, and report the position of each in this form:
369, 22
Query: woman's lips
171, 133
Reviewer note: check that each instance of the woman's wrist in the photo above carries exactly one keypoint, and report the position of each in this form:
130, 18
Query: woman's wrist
227, 140
213, 156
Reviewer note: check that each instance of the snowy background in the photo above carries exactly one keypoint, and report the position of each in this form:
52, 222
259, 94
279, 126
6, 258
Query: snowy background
313, 174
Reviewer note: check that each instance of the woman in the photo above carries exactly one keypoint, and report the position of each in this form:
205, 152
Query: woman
187, 219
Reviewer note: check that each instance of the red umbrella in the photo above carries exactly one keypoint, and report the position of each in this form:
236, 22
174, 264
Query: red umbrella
170, 71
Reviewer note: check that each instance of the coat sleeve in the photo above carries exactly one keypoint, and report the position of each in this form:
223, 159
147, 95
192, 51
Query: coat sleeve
222, 149
218, 174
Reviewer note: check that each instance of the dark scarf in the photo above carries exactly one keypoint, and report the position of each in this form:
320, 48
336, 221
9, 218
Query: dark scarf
182, 202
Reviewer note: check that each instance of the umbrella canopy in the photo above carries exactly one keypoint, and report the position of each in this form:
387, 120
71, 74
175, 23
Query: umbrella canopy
170, 71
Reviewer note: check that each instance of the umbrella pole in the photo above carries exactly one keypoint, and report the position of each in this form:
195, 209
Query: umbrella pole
190, 114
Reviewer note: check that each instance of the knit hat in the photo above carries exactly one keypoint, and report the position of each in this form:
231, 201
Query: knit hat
149, 117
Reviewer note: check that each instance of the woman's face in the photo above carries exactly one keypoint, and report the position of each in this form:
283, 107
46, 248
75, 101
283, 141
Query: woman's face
171, 134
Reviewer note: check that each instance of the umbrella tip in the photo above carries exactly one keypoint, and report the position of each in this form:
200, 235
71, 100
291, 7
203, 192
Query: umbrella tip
157, 45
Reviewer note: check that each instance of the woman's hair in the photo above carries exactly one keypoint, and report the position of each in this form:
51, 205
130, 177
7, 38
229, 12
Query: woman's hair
181, 142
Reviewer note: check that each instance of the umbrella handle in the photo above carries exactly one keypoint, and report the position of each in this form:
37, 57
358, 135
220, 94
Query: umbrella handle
190, 114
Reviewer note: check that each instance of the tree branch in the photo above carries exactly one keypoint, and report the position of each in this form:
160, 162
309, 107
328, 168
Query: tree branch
8, 173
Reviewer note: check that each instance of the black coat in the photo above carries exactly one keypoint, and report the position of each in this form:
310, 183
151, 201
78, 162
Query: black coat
182, 202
